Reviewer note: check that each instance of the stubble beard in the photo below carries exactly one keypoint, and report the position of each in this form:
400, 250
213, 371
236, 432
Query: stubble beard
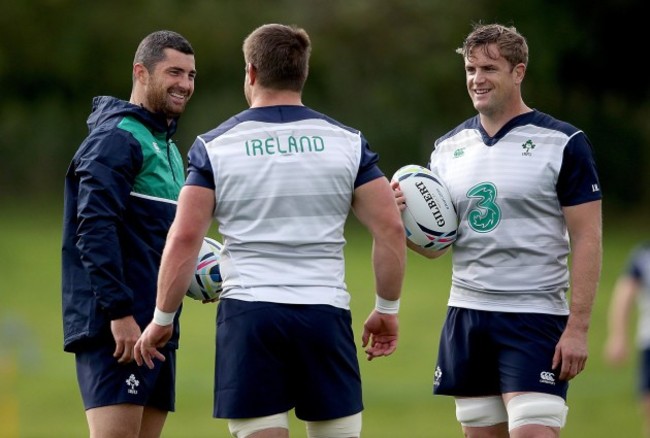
161, 102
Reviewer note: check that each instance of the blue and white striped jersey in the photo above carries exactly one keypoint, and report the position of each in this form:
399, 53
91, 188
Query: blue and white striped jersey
284, 177
512, 249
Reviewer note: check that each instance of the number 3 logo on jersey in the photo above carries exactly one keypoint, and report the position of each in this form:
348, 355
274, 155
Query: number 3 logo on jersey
486, 214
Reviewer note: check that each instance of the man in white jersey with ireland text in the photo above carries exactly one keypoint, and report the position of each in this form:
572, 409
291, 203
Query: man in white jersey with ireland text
280, 180
527, 194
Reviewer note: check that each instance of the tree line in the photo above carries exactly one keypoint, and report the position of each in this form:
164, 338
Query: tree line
387, 67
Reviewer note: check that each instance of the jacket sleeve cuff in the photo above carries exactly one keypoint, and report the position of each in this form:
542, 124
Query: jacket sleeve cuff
119, 313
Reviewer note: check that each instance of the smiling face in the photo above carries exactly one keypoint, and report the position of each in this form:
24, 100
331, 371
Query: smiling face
167, 88
493, 83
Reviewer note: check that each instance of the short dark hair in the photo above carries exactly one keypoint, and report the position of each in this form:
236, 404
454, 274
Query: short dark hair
152, 48
280, 55
512, 45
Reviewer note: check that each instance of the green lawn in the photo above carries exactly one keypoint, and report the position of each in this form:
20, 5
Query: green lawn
38, 390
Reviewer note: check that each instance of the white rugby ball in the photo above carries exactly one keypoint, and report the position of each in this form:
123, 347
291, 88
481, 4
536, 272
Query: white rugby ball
429, 218
206, 282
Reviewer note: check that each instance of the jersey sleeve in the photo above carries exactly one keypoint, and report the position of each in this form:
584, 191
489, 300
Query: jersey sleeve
368, 168
199, 169
578, 181
638, 266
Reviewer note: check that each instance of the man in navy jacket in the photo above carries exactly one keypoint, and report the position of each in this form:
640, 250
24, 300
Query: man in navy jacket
120, 199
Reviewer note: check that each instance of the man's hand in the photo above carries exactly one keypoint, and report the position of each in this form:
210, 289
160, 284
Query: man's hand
571, 354
125, 333
146, 348
400, 199
380, 331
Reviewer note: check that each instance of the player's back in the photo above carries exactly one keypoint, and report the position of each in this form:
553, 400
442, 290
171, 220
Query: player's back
284, 180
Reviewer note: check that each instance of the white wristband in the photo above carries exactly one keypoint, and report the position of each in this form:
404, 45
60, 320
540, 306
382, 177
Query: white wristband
383, 305
163, 318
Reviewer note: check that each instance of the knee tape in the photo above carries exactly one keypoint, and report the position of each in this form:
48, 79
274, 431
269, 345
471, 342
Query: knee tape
537, 408
480, 411
243, 427
344, 427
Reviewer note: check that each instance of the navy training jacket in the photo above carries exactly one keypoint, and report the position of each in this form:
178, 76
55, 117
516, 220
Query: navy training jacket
120, 199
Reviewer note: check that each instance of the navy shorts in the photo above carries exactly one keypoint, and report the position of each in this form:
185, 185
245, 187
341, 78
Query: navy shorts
104, 382
271, 358
490, 353
644, 371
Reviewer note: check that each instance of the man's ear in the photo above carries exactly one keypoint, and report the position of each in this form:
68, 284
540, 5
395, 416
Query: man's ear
252, 73
140, 73
520, 72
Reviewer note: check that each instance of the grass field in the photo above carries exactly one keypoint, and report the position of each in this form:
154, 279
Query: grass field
38, 390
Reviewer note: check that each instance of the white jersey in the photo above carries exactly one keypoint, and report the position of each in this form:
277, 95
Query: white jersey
283, 177
638, 267
512, 246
